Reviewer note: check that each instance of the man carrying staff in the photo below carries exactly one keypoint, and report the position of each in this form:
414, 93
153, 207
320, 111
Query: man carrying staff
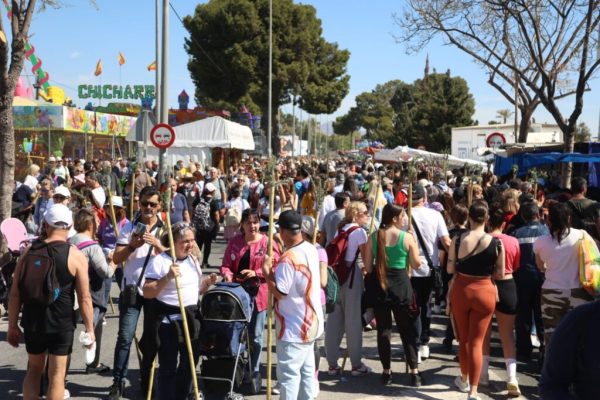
295, 285
138, 243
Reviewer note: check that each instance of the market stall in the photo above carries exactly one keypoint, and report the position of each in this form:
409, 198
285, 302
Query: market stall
407, 154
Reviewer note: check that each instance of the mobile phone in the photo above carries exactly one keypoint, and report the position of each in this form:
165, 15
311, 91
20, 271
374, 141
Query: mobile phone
139, 229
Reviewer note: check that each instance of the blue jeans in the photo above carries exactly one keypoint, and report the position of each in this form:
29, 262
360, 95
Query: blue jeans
296, 370
128, 319
256, 329
174, 381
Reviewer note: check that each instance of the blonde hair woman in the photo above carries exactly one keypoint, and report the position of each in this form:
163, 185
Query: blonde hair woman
31, 177
346, 317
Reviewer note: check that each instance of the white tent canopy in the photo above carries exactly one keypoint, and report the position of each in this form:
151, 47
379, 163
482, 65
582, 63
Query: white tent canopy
405, 154
213, 132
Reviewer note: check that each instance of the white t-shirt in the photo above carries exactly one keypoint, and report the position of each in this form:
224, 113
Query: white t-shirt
135, 261
32, 182
238, 203
432, 227
328, 205
356, 238
189, 281
299, 312
562, 260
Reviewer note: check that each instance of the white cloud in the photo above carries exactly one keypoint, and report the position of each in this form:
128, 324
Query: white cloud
74, 54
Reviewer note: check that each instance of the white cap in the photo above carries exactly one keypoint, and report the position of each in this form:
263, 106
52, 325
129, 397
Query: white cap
59, 216
51, 159
209, 187
308, 225
63, 191
58, 159
424, 182
117, 201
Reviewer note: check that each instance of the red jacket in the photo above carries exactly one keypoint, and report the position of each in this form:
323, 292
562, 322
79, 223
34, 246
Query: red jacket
236, 248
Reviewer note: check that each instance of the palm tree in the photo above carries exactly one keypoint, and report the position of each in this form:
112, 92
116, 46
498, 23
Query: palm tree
504, 114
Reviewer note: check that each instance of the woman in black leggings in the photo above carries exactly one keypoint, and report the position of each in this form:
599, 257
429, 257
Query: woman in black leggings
389, 290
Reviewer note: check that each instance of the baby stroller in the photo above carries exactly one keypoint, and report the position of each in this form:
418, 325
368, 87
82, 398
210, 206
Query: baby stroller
226, 310
15, 236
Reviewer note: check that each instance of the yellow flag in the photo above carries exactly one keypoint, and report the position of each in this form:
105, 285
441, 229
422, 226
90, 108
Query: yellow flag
2, 37
152, 66
121, 59
98, 68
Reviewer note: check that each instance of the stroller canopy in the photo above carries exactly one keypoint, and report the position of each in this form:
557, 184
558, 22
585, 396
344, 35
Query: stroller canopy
226, 301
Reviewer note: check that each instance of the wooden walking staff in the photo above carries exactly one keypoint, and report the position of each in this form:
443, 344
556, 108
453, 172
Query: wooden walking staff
113, 219
270, 306
132, 196
186, 331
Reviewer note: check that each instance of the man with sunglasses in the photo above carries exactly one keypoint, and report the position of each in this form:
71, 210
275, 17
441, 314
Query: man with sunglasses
135, 249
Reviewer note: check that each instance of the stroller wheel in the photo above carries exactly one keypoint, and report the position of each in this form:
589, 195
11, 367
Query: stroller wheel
256, 383
234, 396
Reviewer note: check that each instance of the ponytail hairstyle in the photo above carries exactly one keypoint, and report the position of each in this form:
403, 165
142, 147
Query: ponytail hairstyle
390, 211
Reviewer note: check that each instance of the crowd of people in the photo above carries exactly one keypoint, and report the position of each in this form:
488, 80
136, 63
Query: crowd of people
473, 246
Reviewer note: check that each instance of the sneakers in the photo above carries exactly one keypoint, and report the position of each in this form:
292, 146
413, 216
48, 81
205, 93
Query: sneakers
360, 371
513, 387
473, 397
275, 389
416, 380
462, 386
424, 351
535, 342
334, 371
386, 378
67, 394
116, 390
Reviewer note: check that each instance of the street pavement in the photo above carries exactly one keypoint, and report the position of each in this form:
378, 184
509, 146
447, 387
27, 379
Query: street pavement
438, 371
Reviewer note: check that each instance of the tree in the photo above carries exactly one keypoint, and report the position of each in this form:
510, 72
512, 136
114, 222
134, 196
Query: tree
583, 133
504, 114
229, 57
493, 122
12, 58
427, 110
543, 49
373, 113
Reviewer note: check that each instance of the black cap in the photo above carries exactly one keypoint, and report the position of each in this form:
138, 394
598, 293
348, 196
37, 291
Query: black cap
290, 220
418, 192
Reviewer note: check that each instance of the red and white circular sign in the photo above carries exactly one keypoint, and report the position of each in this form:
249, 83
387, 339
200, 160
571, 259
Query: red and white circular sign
162, 136
495, 140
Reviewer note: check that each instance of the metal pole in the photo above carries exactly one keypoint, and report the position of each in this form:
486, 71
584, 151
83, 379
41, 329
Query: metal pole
270, 100
164, 103
156, 73
293, 123
516, 109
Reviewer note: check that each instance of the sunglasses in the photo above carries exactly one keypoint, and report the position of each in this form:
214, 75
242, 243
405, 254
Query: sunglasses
59, 197
149, 203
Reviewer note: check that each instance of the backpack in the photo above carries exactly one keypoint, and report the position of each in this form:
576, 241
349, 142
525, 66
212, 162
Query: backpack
332, 291
233, 217
202, 220
38, 283
336, 250
589, 265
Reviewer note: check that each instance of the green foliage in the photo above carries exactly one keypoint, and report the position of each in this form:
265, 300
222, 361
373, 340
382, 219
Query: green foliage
229, 56
582, 133
504, 114
373, 113
429, 108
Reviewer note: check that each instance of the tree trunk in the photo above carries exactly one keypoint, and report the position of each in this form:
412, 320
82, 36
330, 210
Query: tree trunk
7, 155
567, 168
526, 113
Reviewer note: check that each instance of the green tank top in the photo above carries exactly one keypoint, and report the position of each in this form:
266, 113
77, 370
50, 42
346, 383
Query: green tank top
397, 256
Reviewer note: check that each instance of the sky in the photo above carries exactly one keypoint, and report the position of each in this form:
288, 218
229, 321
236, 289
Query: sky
71, 40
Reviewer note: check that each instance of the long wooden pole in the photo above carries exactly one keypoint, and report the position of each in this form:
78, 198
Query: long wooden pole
113, 218
270, 306
410, 201
186, 331
374, 210
132, 196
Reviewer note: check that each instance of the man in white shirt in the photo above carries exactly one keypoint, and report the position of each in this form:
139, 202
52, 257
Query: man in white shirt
432, 227
136, 250
295, 284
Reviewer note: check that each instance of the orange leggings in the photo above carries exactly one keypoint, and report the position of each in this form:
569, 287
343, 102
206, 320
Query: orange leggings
473, 302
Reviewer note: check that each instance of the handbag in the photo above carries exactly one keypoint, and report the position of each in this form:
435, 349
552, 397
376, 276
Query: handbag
436, 272
589, 264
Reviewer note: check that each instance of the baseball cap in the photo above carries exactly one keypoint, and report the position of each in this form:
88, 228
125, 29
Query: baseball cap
290, 220
59, 216
418, 192
308, 225
117, 201
209, 187
63, 191
51, 159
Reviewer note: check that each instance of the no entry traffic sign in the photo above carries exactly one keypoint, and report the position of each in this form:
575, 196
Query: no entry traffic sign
162, 136
495, 140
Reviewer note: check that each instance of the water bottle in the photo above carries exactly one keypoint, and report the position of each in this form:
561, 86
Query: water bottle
90, 352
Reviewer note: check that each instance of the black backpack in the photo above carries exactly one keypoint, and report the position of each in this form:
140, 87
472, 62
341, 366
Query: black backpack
38, 283
202, 219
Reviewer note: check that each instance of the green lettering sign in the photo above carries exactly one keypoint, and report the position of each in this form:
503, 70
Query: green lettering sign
127, 92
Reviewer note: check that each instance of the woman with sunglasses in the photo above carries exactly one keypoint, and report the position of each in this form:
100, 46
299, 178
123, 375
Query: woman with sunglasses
242, 262
174, 377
